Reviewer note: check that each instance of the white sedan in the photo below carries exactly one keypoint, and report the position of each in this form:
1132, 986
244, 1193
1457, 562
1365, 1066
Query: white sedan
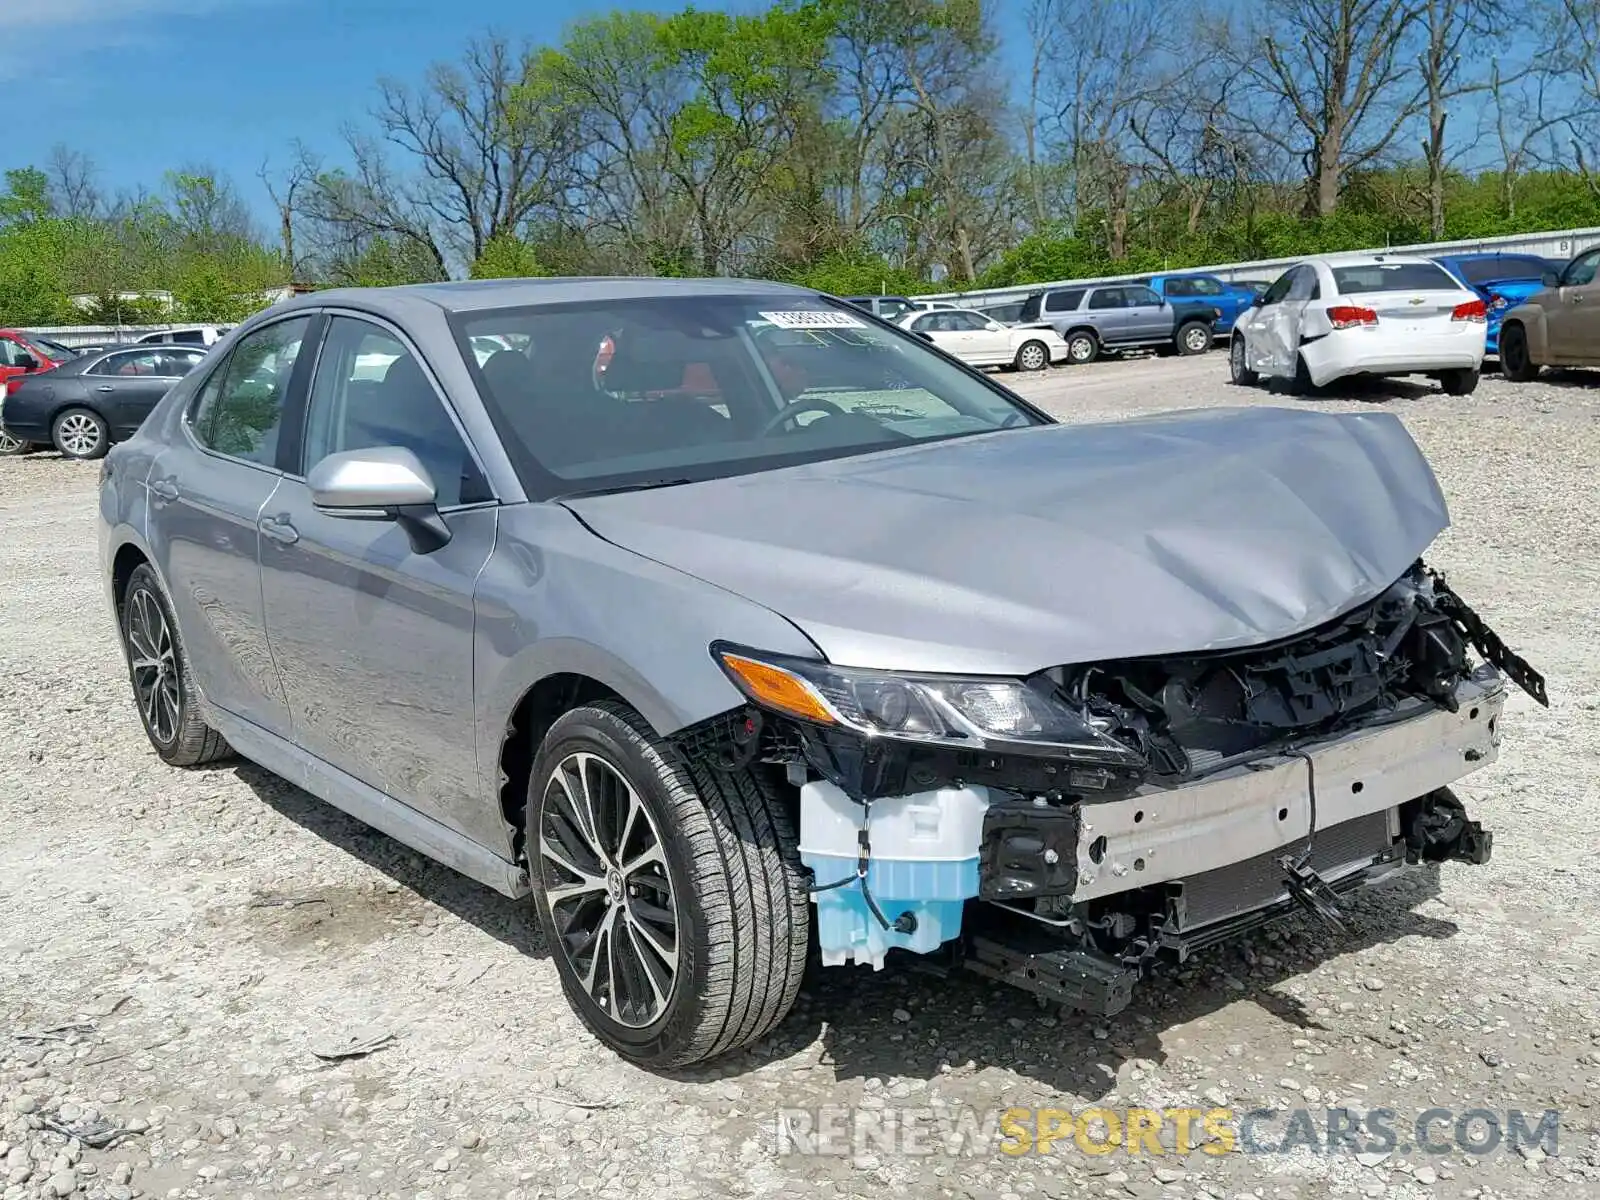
1371, 314
982, 341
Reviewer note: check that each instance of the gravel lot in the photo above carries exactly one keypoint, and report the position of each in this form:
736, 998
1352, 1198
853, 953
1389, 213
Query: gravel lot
175, 946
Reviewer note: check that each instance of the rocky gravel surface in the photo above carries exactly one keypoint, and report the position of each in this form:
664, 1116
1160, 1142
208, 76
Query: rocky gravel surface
213, 985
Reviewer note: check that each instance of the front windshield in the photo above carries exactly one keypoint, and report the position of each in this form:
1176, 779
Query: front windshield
621, 393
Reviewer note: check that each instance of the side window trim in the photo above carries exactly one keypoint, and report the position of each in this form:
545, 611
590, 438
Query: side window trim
218, 373
399, 335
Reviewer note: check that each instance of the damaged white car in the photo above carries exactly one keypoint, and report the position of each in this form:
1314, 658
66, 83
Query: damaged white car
730, 622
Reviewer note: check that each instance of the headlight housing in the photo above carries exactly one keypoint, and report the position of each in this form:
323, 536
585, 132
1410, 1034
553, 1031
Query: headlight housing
963, 712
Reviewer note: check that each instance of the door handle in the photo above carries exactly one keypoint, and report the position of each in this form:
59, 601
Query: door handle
279, 529
105, 387
164, 489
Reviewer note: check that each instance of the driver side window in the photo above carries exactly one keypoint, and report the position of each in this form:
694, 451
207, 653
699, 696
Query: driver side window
1279, 291
371, 391
1581, 271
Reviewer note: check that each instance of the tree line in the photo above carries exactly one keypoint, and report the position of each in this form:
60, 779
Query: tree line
862, 145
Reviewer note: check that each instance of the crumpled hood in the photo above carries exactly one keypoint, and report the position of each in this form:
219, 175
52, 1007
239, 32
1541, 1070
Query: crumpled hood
1025, 549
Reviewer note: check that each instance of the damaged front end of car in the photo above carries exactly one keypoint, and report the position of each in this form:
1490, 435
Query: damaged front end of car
1066, 831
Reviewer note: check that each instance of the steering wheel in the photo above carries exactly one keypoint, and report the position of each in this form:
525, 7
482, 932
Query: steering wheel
790, 411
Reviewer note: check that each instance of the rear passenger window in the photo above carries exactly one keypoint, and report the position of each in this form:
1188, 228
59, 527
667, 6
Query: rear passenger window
240, 408
1062, 301
370, 391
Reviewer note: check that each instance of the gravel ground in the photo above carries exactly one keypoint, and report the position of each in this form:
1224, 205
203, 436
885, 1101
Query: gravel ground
177, 946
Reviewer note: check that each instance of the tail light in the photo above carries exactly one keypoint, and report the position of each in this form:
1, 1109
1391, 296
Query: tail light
1350, 316
1472, 310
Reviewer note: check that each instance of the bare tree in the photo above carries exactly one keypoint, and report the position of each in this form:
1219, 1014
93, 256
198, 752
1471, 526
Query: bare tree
1457, 37
1109, 62
287, 191
73, 190
1336, 88
1579, 58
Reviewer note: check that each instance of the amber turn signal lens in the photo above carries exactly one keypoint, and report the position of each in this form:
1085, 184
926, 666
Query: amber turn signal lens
777, 689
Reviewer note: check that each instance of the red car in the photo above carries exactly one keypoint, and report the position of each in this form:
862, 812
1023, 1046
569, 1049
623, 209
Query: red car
20, 355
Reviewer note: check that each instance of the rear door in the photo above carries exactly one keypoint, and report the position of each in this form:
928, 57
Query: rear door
207, 490
1574, 321
124, 387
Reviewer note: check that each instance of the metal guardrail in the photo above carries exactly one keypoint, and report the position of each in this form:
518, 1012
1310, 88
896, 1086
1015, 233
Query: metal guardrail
1561, 244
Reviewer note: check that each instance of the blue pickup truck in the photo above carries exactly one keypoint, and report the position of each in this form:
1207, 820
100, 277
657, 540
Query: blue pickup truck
1228, 299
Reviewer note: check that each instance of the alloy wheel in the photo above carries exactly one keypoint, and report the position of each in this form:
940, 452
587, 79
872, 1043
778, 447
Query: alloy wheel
156, 681
1082, 349
1032, 357
10, 444
1196, 339
605, 877
79, 434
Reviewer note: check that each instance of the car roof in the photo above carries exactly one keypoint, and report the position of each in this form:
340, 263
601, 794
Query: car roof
1364, 260
475, 294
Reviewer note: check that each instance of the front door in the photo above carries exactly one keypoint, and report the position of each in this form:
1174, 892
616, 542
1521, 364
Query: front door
1574, 322
1148, 318
1268, 335
374, 639
1108, 314
206, 493
987, 341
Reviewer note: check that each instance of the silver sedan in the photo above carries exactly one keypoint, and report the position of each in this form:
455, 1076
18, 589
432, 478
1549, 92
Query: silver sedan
727, 620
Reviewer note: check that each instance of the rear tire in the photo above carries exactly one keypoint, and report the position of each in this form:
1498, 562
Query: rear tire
1459, 383
81, 434
1516, 363
1082, 347
1239, 363
1032, 356
1194, 337
163, 687
704, 941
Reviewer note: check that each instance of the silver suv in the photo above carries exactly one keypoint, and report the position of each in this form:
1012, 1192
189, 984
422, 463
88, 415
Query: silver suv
727, 620
1122, 317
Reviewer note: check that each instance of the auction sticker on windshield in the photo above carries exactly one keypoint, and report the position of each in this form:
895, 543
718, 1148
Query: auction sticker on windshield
802, 319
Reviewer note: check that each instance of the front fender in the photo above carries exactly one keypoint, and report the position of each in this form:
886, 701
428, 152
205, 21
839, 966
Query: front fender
1532, 319
557, 599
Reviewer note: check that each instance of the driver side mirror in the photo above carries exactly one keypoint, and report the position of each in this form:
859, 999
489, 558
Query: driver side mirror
387, 483
1259, 301
27, 362
1550, 279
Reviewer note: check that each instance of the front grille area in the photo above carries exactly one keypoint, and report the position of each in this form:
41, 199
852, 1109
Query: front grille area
1256, 882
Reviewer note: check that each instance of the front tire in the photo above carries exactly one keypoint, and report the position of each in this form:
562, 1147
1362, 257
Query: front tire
1302, 384
1459, 383
1082, 347
163, 687
81, 434
1239, 363
1032, 356
1516, 363
1193, 338
670, 894
12, 446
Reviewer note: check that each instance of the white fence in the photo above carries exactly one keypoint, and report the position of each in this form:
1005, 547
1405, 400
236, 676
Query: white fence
1560, 244
74, 336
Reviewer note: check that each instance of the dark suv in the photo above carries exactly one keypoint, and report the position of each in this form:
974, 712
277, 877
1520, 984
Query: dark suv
1122, 316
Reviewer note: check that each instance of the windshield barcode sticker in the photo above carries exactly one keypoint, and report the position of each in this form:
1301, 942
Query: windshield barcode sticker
806, 319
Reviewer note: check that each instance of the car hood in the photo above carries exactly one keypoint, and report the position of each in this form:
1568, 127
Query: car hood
1024, 549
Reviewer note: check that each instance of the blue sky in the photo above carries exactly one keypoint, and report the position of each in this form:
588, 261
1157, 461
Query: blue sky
144, 86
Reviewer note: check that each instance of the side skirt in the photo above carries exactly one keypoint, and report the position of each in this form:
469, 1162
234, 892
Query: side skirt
369, 806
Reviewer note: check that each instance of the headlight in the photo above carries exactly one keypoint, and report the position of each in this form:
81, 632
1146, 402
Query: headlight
948, 710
